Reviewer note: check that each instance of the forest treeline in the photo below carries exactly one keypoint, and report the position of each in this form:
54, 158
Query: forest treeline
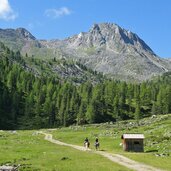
28, 101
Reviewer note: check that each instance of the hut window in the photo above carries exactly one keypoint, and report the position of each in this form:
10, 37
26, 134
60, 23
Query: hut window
136, 142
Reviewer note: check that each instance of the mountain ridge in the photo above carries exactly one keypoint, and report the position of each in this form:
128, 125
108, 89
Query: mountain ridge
106, 48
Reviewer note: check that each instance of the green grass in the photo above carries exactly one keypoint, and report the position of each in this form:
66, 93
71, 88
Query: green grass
156, 130
32, 152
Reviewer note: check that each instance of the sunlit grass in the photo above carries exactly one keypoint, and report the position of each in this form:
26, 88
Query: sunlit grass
32, 152
29, 149
157, 141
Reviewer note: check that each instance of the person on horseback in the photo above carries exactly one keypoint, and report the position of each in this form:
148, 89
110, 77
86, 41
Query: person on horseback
86, 142
97, 144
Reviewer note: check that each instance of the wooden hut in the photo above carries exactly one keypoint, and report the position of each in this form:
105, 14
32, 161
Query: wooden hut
133, 142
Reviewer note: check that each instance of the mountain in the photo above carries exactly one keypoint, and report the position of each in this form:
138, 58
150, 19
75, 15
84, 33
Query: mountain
41, 93
105, 48
61, 69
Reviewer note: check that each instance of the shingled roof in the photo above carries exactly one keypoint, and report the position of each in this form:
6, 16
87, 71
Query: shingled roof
133, 136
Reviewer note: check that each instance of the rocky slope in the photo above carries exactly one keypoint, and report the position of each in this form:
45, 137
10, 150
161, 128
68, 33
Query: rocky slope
61, 69
106, 48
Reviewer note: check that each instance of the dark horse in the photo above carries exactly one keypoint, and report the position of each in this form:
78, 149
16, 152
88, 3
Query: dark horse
97, 145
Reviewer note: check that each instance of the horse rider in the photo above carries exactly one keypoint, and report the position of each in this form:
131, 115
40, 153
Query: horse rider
96, 143
86, 141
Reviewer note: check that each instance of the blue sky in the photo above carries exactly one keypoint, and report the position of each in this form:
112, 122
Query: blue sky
49, 19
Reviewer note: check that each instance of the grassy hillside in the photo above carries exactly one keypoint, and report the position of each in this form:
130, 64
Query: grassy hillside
157, 131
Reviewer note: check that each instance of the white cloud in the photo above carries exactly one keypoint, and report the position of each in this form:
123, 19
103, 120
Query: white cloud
6, 12
56, 13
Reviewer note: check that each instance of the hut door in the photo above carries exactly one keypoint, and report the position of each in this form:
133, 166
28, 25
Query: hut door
137, 146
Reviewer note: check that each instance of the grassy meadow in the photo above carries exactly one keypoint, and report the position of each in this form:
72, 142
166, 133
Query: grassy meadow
32, 152
29, 149
157, 131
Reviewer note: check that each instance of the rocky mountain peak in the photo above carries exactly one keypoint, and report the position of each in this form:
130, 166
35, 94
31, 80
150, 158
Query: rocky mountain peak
106, 48
106, 29
104, 26
25, 34
95, 28
112, 34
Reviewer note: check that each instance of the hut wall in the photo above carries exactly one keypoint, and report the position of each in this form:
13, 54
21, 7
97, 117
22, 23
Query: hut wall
133, 145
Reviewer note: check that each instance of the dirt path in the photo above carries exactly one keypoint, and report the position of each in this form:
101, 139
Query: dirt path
124, 161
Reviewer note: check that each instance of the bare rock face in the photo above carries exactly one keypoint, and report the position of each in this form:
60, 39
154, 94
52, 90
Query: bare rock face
25, 34
109, 35
106, 48
18, 39
114, 51
19, 33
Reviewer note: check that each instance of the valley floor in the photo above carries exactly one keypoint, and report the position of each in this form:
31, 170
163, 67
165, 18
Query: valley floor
28, 150
131, 164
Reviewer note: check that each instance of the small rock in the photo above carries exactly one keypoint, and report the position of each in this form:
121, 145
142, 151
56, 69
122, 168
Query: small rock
7, 168
13, 132
64, 158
